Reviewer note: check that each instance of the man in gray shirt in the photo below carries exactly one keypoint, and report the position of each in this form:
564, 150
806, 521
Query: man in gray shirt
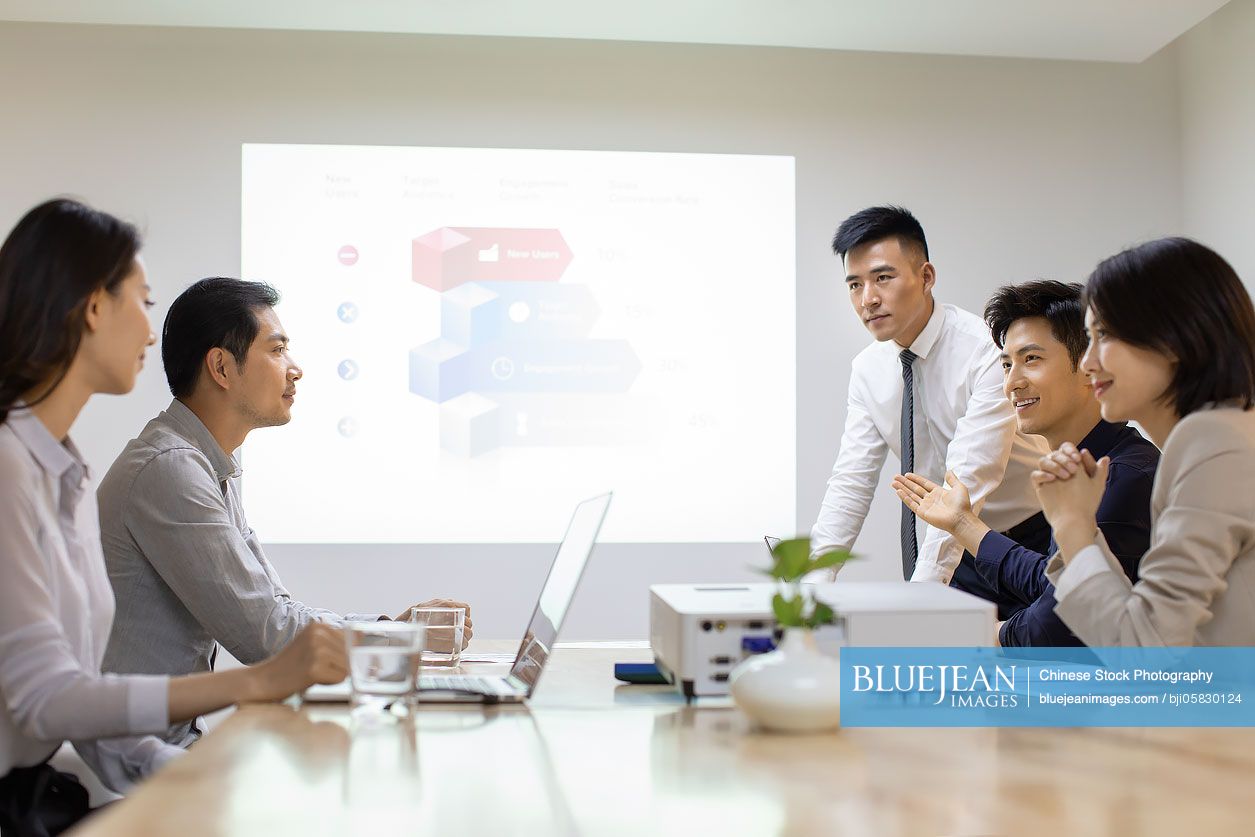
187, 570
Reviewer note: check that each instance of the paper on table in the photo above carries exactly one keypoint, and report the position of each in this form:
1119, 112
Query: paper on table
488, 657
480, 657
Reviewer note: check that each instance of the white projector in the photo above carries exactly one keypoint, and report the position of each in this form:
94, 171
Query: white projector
700, 632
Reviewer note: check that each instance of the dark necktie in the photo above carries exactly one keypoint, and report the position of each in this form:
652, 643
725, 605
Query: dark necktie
910, 550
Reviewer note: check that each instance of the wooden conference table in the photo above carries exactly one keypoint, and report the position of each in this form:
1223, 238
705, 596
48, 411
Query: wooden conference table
590, 756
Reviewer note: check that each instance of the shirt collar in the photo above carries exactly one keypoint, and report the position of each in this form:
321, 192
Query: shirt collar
1103, 438
929, 336
224, 465
55, 457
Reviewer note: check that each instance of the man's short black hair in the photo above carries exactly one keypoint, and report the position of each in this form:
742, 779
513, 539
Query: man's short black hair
1057, 302
1181, 299
876, 223
214, 313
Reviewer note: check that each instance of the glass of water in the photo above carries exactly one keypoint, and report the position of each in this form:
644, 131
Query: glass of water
444, 629
384, 660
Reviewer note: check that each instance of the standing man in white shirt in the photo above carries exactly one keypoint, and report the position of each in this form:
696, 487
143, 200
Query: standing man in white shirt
929, 390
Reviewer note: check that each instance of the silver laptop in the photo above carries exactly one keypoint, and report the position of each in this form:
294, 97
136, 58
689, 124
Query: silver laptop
551, 609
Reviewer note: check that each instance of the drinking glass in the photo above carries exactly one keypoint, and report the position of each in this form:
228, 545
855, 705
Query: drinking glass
384, 661
444, 627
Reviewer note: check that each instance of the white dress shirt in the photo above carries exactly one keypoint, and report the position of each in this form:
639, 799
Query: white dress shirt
56, 608
963, 423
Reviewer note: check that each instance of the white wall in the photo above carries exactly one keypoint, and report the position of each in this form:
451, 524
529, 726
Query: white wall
1017, 169
1217, 70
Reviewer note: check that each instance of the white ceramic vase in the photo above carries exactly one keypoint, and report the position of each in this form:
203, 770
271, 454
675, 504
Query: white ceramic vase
792, 689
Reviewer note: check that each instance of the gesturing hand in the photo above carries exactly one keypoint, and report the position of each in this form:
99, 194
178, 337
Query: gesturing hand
943, 508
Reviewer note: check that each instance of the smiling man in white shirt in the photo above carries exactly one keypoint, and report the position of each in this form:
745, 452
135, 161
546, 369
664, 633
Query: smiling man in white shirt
929, 390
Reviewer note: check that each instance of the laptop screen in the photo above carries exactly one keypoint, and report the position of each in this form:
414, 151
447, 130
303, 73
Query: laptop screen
559, 590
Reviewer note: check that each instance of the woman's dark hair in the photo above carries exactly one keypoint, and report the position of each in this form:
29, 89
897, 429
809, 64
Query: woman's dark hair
214, 313
1059, 303
1181, 299
57, 256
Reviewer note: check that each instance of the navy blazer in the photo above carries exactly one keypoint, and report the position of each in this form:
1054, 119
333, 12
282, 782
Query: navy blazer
1123, 516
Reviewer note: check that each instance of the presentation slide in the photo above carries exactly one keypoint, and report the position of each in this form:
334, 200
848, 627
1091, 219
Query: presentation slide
489, 336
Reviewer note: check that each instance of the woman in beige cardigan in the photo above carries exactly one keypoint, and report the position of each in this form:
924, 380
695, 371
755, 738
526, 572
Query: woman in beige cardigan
1172, 347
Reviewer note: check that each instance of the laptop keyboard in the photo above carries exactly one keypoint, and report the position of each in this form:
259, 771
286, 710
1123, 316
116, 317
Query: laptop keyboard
461, 682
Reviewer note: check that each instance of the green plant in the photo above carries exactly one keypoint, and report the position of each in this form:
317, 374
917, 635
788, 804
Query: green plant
791, 563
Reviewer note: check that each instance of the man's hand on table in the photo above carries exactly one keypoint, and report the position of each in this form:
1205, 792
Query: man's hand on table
467, 629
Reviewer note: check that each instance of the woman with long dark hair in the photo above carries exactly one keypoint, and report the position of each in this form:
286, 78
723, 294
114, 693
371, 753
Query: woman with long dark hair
73, 323
1172, 347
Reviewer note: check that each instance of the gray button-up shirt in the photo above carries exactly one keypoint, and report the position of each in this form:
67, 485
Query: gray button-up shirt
186, 569
55, 607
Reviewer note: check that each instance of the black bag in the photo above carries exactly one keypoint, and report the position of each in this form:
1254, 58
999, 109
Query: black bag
40, 801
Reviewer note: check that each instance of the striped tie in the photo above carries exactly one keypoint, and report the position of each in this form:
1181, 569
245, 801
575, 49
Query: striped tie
910, 549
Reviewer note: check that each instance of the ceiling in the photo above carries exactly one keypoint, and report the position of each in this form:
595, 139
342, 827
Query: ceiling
1096, 30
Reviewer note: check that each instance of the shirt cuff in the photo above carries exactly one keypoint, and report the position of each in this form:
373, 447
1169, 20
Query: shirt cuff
1004, 634
994, 547
991, 552
1086, 564
930, 572
365, 617
148, 703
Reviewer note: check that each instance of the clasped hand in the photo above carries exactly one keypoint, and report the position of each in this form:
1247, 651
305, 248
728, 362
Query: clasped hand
1070, 483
